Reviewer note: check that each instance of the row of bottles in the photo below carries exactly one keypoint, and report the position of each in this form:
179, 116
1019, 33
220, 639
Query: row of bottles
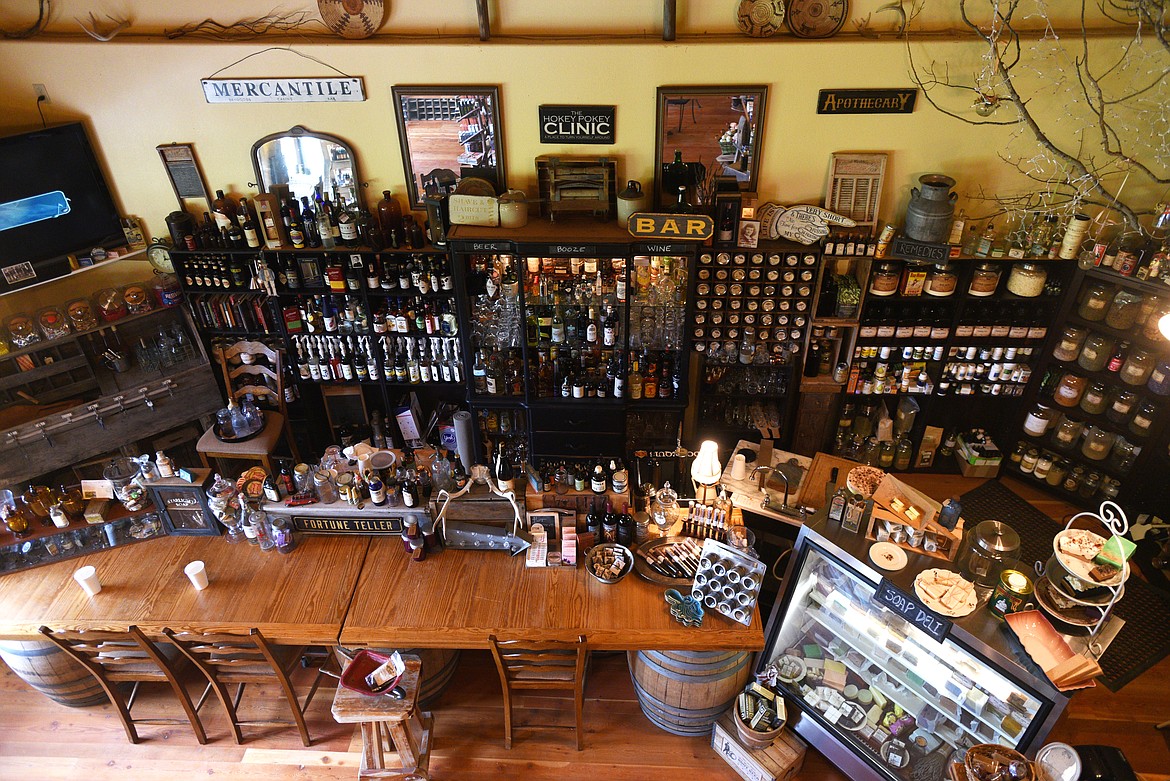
595, 475
218, 271
393, 359
416, 273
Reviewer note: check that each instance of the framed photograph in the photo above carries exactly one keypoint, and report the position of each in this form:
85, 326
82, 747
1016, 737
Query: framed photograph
183, 505
552, 519
749, 233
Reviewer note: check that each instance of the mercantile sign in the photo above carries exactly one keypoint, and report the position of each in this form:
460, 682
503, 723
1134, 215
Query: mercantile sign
305, 90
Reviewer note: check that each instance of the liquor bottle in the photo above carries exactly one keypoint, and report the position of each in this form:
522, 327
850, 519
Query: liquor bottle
248, 224
296, 230
625, 527
597, 479
986, 241
665, 384
609, 329
389, 216
726, 223
593, 521
838, 501
634, 382
224, 209
504, 472
609, 524
309, 224
325, 229
347, 226
331, 211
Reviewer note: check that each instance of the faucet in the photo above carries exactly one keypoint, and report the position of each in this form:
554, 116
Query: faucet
784, 508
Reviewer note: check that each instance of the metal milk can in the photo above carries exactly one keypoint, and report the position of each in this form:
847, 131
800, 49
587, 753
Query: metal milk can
929, 213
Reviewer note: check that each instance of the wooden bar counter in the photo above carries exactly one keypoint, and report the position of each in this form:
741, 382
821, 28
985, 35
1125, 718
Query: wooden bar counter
295, 598
456, 598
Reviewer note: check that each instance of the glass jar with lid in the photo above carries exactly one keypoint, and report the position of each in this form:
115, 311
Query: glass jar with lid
1043, 465
1071, 341
1026, 280
1143, 419
884, 279
1039, 420
1095, 352
942, 280
1072, 480
1150, 327
1122, 454
1121, 404
1159, 381
1057, 472
1067, 433
1096, 399
1138, 367
984, 280
1089, 485
1095, 302
1028, 463
1150, 304
1069, 390
1110, 487
1124, 309
1097, 443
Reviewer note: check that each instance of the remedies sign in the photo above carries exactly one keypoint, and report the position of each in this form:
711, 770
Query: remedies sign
867, 101
327, 90
576, 124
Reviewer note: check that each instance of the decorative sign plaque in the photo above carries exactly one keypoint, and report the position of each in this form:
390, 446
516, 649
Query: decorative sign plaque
388, 524
911, 249
309, 90
647, 225
892, 598
576, 124
867, 101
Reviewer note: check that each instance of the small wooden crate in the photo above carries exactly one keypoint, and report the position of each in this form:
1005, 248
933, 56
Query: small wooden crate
779, 762
576, 185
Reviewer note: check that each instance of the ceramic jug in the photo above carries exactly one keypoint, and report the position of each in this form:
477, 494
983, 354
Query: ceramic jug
513, 209
630, 200
929, 213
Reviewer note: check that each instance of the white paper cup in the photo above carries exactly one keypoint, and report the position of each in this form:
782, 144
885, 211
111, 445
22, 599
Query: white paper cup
197, 572
738, 467
87, 578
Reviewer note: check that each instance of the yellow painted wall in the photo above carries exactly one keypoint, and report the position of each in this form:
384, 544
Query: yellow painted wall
138, 92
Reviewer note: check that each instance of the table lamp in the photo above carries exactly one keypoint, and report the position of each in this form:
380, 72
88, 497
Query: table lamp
1164, 325
706, 471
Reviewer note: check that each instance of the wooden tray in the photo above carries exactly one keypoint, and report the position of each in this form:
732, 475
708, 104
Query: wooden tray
812, 488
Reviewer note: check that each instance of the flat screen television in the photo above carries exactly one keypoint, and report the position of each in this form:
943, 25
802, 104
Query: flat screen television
54, 201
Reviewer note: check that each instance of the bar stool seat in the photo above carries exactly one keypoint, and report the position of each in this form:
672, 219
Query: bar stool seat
390, 725
258, 448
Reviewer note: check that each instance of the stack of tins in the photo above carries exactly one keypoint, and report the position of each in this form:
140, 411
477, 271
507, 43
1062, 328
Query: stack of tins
438, 667
53, 673
684, 692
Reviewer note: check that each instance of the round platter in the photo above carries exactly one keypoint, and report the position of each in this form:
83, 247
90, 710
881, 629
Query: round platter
887, 556
1079, 568
945, 580
643, 568
598, 550
1074, 616
791, 668
1055, 573
852, 717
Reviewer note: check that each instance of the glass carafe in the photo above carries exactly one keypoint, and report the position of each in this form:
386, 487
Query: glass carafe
664, 509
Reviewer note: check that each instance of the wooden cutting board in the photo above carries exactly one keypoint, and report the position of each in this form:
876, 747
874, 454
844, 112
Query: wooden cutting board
812, 490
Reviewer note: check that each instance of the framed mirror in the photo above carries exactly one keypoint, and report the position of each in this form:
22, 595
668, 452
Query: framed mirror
718, 131
449, 134
306, 163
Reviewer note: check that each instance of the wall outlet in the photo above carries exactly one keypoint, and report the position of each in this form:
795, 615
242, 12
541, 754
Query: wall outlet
42, 93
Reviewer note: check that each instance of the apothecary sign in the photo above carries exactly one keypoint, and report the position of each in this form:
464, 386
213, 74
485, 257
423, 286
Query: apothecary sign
307, 90
576, 124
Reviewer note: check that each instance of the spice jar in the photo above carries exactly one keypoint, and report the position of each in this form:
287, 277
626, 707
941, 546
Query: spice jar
80, 315
942, 280
1039, 420
1071, 341
1097, 444
1072, 480
1089, 485
1120, 405
1110, 487
1123, 311
1159, 382
1070, 389
984, 280
53, 323
1095, 400
1095, 352
1138, 367
1057, 472
1028, 463
1026, 280
884, 279
1043, 465
1122, 454
1141, 421
1017, 455
1067, 433
1095, 302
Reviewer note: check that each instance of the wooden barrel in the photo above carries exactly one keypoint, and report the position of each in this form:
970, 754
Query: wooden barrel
438, 668
684, 692
53, 673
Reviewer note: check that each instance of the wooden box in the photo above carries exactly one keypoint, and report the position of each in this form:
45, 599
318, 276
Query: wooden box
576, 185
981, 470
890, 501
779, 762
184, 505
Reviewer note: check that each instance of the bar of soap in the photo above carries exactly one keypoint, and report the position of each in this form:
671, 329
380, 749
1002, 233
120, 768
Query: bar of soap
1115, 552
1011, 726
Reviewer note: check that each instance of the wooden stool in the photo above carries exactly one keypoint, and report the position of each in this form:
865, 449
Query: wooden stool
390, 725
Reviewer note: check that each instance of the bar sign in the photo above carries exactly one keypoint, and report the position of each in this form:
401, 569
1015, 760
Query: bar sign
891, 597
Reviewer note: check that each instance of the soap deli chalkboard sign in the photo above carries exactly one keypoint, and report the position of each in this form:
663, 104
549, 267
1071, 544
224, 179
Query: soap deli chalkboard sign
893, 598
184, 505
576, 124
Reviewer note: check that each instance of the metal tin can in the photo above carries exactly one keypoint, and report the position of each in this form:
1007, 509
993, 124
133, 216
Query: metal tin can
1011, 593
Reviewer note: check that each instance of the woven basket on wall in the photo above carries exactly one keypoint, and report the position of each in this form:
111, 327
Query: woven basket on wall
351, 18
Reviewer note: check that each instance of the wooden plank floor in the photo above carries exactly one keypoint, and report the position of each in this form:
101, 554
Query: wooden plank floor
46, 741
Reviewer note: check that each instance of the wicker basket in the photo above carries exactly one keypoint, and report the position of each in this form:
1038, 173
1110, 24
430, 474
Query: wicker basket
992, 754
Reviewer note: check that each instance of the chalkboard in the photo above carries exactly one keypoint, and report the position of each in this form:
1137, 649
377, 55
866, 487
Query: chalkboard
184, 506
892, 598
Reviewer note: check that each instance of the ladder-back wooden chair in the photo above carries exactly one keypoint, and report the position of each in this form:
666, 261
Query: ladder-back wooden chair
527, 665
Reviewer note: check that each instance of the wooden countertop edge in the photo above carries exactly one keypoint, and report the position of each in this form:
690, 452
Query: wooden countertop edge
599, 640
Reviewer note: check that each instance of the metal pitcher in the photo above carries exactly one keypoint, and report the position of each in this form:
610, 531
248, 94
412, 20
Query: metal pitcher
929, 213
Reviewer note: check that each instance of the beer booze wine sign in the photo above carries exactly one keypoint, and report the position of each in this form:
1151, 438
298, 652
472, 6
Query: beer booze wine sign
576, 124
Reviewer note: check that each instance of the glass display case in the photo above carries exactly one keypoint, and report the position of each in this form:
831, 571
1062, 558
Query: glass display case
879, 695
